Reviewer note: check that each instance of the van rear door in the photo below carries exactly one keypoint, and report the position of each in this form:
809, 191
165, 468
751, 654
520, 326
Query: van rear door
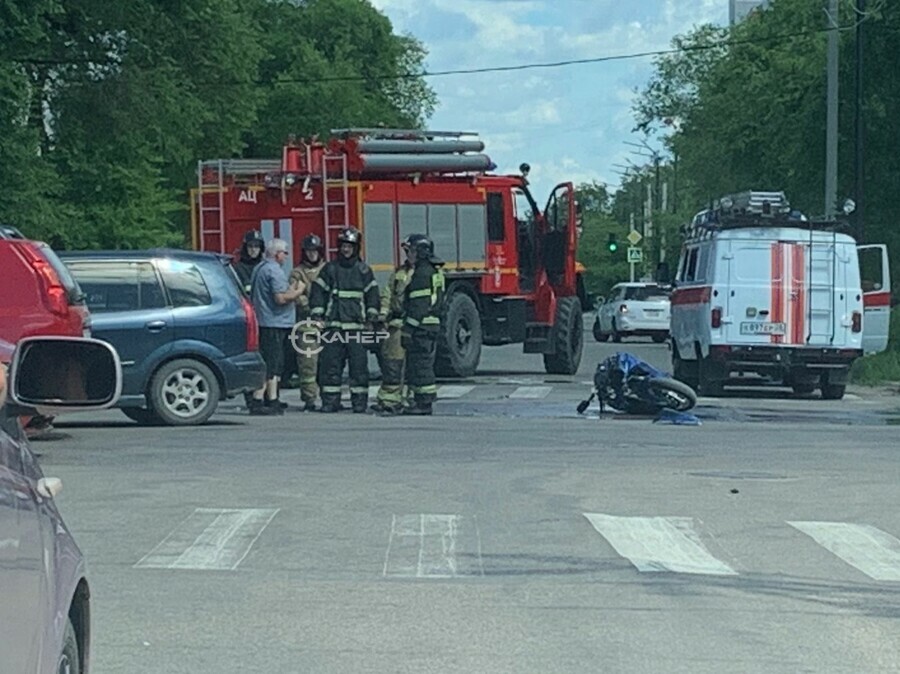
755, 313
875, 274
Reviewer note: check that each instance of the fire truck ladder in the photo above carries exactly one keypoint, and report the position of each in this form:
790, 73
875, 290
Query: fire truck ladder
334, 177
820, 316
212, 217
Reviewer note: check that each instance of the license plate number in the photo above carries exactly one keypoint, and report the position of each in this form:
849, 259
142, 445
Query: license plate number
762, 328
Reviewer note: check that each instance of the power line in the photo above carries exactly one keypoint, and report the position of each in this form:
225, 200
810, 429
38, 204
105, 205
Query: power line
495, 69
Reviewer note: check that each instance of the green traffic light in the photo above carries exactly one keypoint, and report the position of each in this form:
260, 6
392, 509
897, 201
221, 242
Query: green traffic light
613, 247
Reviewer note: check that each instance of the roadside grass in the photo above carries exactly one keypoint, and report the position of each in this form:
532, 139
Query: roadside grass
884, 367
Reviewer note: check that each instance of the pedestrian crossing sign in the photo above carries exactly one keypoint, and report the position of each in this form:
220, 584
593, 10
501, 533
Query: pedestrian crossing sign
635, 255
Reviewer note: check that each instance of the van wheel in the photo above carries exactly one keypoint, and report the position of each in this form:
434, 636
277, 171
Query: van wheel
184, 393
142, 416
459, 341
707, 385
569, 338
684, 371
69, 661
833, 391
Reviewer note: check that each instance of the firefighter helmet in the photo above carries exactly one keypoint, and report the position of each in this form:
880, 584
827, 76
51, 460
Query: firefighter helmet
312, 242
424, 247
349, 235
412, 240
254, 236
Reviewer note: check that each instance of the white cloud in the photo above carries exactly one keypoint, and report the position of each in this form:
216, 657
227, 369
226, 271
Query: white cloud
569, 123
534, 113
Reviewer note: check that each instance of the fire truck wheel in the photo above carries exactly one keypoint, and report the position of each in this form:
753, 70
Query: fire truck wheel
833, 391
184, 392
459, 342
569, 338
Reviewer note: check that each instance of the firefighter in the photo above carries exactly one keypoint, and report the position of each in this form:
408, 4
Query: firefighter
250, 255
345, 299
391, 393
421, 310
311, 264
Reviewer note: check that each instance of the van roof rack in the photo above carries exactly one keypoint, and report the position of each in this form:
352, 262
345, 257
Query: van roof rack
754, 209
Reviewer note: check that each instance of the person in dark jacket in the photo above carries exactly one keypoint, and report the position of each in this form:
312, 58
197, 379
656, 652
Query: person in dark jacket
422, 302
250, 256
345, 300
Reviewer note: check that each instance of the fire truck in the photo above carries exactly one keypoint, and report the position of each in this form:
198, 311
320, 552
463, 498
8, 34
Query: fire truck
510, 267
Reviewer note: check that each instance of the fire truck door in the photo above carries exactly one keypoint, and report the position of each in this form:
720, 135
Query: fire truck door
560, 239
525, 238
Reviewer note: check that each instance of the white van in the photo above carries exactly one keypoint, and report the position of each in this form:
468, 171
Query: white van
761, 290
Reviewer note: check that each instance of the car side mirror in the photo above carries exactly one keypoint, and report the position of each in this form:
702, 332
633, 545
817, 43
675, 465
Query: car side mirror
64, 374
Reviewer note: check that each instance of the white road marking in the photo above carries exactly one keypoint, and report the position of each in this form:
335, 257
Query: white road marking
433, 546
531, 392
210, 539
867, 548
655, 544
452, 391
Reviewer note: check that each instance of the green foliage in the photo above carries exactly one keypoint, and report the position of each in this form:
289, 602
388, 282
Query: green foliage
881, 367
105, 108
603, 269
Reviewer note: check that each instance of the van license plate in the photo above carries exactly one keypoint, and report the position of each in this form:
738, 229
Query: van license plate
762, 328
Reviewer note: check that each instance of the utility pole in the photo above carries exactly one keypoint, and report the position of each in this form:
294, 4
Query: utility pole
831, 128
860, 169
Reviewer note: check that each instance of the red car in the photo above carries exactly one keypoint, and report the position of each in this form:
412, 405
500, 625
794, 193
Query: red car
38, 295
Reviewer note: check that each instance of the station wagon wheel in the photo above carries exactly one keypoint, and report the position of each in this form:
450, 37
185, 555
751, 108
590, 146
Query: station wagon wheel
69, 661
616, 336
184, 392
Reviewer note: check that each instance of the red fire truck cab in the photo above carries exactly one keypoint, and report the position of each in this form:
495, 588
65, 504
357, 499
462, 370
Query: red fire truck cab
510, 268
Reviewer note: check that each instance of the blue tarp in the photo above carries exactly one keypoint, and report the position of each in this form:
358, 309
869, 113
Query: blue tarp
676, 418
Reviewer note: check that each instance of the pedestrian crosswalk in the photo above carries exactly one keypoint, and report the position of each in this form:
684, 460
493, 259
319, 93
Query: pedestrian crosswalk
453, 545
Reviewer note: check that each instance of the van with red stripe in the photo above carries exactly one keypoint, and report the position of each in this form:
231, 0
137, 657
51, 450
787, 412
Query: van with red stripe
762, 290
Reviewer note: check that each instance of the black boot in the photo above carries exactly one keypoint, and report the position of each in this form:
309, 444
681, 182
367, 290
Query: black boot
331, 404
259, 409
418, 410
359, 402
277, 405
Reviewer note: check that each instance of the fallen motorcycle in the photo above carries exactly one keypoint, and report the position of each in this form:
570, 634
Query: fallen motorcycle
628, 384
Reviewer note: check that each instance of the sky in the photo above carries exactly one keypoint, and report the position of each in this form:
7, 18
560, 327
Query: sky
569, 123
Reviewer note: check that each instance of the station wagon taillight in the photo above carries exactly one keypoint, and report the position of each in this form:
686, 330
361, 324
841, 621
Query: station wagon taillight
857, 322
252, 325
716, 317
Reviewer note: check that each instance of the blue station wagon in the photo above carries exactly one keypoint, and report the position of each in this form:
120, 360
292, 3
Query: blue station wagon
186, 333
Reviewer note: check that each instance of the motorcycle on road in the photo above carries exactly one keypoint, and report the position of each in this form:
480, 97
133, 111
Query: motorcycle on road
628, 384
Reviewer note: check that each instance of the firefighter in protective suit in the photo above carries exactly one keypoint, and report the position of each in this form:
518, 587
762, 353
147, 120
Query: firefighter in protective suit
251, 254
345, 300
391, 393
313, 252
423, 298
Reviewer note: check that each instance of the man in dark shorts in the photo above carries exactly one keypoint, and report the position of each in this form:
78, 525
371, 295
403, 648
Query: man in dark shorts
273, 300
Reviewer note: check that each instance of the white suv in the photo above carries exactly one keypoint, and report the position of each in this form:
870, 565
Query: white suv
634, 310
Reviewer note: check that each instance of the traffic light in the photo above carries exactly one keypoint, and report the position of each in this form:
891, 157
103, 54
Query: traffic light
611, 243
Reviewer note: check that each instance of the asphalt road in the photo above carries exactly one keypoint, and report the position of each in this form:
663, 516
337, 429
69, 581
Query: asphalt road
504, 534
